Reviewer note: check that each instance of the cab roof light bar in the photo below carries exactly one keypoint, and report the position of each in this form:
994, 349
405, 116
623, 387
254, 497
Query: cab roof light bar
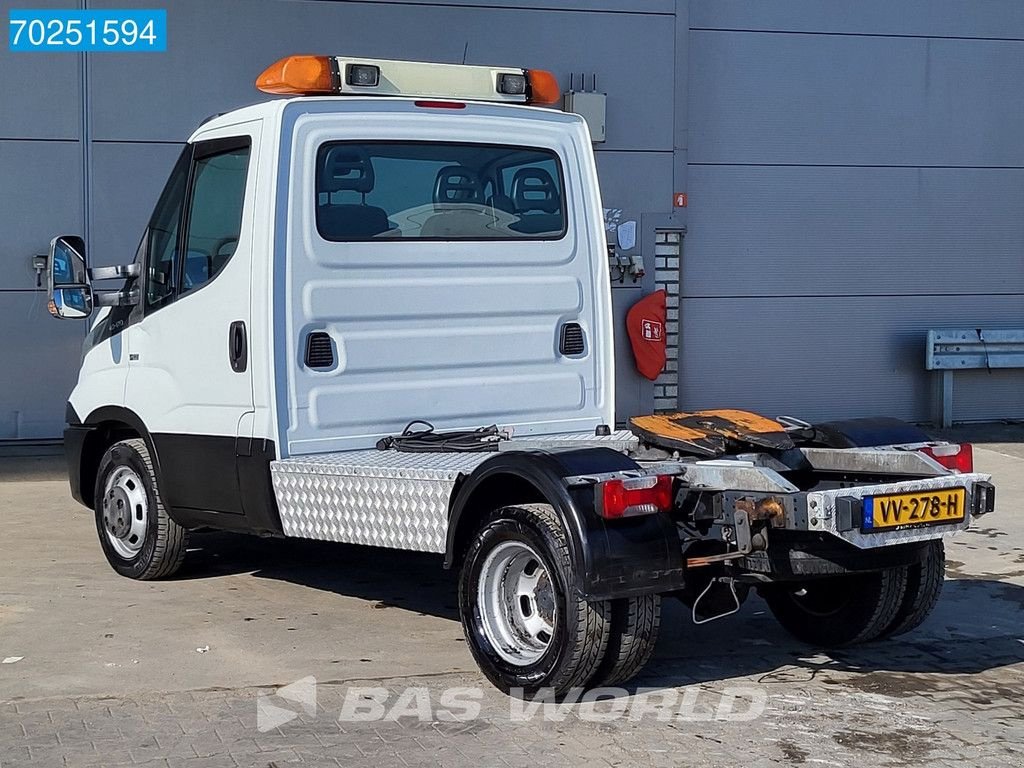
343, 76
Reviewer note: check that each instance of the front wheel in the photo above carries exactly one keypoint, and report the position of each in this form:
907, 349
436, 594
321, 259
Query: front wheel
524, 622
138, 537
838, 610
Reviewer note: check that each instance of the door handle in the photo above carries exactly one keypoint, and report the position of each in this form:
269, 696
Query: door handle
238, 347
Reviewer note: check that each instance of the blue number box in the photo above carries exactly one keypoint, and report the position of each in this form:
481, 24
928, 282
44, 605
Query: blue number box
87, 31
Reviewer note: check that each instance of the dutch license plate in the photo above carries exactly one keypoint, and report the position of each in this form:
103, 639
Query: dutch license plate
904, 510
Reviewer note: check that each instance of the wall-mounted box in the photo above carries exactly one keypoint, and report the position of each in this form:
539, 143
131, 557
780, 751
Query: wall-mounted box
592, 107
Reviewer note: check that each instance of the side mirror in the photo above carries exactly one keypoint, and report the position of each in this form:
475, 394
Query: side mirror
70, 281
71, 303
67, 261
69, 288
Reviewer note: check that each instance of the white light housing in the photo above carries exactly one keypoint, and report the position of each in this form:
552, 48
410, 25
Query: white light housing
424, 80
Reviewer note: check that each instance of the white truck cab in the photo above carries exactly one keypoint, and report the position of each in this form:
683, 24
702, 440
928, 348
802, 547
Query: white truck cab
399, 242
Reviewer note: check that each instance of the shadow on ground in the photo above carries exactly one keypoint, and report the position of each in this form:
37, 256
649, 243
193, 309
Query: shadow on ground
413, 581
977, 626
30, 469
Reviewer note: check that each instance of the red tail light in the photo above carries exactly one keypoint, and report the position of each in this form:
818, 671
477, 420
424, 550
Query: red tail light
636, 496
959, 458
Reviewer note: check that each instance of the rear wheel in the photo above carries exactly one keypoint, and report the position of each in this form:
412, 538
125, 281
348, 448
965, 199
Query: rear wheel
137, 535
924, 585
839, 610
524, 622
634, 632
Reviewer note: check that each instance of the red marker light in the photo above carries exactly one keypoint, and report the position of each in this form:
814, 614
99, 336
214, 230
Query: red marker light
441, 104
635, 496
958, 458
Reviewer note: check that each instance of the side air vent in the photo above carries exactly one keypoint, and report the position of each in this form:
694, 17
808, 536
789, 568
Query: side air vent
319, 350
571, 341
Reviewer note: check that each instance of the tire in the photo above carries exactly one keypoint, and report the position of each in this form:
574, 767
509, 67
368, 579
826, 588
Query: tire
634, 632
523, 619
924, 585
840, 610
137, 535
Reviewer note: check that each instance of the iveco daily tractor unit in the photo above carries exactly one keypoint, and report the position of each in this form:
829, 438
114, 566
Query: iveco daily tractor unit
378, 311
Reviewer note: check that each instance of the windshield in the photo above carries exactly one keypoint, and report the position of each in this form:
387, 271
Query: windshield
438, 191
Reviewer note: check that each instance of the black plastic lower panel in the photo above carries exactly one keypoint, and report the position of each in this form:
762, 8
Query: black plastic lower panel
207, 484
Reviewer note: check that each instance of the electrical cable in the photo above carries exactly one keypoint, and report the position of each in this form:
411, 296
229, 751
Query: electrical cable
429, 441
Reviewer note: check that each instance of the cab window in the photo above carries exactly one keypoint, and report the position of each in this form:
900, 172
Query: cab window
160, 244
438, 191
215, 213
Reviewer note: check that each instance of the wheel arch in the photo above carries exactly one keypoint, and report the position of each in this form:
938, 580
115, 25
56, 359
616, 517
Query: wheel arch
868, 432
626, 558
87, 440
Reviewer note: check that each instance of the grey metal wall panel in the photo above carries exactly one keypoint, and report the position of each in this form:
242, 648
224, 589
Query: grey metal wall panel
807, 99
41, 92
940, 18
42, 197
853, 356
218, 49
975, 392
615, 6
763, 231
640, 182
126, 181
40, 357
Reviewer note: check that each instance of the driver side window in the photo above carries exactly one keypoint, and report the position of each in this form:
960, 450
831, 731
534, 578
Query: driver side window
160, 245
214, 218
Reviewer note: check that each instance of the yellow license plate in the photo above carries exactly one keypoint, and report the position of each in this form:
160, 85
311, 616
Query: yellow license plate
909, 510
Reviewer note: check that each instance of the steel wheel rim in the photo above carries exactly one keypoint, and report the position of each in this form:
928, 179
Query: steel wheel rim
518, 612
125, 512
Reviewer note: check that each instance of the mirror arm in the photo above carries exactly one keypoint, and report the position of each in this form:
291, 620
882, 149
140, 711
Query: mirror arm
116, 298
115, 273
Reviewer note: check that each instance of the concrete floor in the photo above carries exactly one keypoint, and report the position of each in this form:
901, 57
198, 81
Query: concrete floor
112, 671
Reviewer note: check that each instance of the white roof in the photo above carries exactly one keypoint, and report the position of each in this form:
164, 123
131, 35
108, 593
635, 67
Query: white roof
273, 108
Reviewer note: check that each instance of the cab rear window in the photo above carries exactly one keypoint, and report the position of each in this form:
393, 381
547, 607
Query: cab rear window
438, 191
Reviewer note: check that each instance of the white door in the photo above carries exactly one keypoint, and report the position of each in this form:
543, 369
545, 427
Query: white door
190, 377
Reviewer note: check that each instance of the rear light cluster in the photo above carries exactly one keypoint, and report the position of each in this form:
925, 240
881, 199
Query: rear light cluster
635, 496
958, 458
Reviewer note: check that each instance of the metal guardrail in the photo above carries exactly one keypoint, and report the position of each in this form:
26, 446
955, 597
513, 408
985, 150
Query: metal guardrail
970, 349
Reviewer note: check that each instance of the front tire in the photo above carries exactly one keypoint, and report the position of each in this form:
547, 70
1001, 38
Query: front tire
838, 611
138, 537
523, 619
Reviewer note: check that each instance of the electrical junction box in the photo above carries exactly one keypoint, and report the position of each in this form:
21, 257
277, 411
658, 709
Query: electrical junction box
592, 107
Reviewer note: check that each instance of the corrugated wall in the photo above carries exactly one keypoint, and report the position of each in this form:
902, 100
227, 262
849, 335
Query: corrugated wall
856, 177
855, 173
118, 135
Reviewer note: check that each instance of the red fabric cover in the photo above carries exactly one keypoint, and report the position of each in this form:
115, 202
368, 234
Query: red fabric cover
645, 324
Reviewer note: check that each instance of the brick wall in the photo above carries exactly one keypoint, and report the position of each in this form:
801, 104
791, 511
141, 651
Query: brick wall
668, 251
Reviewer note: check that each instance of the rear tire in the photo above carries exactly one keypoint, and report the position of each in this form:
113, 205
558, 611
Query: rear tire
924, 585
839, 610
523, 618
138, 537
634, 633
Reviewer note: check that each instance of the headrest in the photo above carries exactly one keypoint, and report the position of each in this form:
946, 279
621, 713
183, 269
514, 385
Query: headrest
346, 169
456, 184
533, 189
